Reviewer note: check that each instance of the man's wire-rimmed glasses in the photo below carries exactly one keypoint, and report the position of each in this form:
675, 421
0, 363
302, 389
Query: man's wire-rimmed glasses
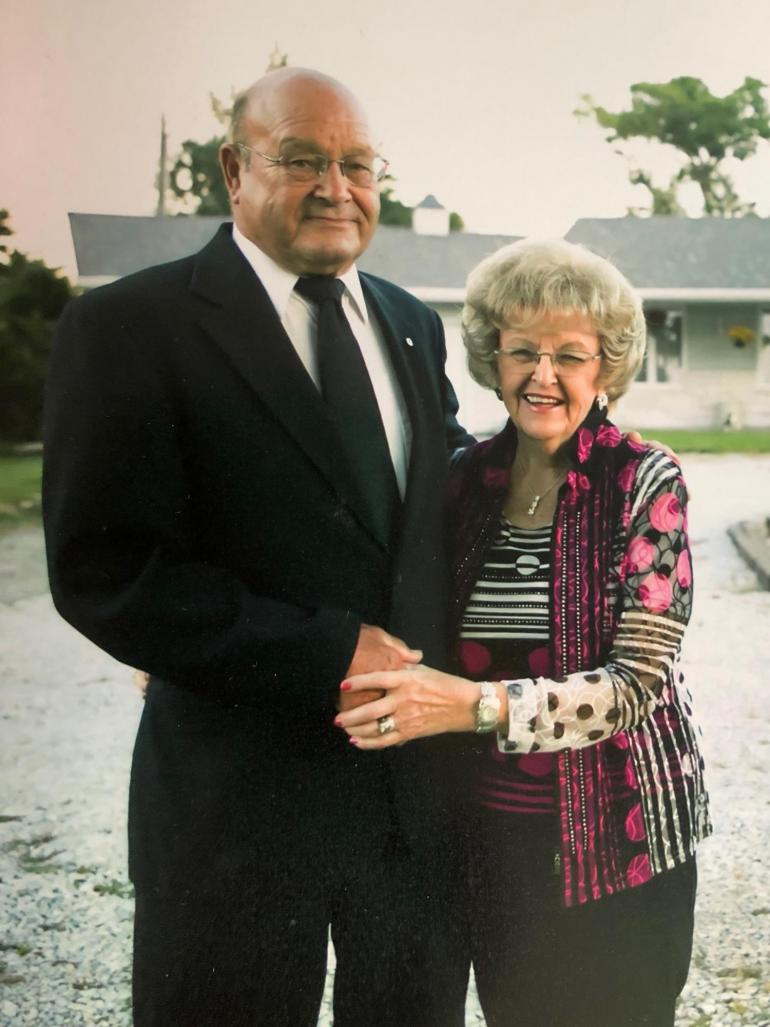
361, 169
565, 362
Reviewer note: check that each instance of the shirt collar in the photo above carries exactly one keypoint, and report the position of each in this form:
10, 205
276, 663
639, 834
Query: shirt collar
279, 283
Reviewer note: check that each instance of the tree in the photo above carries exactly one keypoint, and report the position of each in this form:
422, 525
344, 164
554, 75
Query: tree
196, 179
664, 199
5, 230
32, 296
393, 211
705, 129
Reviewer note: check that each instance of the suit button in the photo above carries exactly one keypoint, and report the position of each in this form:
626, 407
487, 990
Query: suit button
343, 515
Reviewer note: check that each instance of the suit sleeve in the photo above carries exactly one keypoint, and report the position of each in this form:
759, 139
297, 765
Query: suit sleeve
121, 541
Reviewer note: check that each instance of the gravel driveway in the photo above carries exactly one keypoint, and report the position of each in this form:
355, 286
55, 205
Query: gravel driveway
67, 719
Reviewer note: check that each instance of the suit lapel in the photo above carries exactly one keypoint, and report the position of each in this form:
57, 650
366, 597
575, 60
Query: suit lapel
239, 316
413, 380
418, 596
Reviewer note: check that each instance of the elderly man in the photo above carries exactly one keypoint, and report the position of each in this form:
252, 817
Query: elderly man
245, 459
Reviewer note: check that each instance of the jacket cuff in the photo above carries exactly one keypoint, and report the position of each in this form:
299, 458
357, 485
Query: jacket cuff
522, 716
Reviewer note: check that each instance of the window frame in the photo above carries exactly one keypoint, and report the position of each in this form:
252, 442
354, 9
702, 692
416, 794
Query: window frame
650, 357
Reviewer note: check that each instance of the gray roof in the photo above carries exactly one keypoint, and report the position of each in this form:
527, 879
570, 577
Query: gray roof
429, 261
431, 203
682, 253
110, 246
113, 245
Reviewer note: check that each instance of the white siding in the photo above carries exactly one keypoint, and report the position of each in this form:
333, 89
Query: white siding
718, 381
481, 412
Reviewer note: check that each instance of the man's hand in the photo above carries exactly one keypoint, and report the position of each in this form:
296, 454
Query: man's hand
376, 650
634, 436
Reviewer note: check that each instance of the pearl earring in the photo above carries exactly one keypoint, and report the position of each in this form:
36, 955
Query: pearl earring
601, 401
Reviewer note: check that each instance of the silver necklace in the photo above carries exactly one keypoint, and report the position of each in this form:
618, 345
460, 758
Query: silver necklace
536, 499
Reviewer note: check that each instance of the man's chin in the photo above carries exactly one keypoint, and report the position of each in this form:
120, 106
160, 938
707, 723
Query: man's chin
325, 260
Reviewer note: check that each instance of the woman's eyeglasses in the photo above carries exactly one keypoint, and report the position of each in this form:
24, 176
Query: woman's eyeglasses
564, 361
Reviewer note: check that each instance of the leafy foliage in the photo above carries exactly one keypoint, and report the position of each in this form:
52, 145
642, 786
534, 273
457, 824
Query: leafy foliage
704, 128
5, 229
196, 178
32, 296
393, 211
664, 199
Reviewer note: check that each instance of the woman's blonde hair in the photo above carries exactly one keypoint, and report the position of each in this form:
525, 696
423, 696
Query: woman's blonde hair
528, 280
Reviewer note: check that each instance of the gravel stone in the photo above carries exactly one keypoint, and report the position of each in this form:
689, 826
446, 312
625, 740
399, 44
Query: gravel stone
68, 715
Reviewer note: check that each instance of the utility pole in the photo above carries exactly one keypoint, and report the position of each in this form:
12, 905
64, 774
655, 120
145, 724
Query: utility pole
162, 169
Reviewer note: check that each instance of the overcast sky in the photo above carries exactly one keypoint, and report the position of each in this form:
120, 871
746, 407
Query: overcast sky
470, 100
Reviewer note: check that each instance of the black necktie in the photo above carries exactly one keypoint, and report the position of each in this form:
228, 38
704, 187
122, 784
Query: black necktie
347, 389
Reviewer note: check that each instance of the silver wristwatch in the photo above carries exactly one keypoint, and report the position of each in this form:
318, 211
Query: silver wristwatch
488, 708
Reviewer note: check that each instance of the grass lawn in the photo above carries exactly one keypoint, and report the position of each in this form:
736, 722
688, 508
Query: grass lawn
19, 484
683, 440
20, 473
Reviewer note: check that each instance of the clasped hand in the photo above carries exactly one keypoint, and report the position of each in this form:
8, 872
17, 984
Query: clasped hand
421, 701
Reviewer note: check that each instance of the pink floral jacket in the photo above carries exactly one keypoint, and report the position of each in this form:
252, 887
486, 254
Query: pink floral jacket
631, 797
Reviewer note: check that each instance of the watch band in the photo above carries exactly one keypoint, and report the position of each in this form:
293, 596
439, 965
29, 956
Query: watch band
487, 708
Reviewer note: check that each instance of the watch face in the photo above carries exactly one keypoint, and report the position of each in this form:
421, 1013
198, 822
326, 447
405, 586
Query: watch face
487, 715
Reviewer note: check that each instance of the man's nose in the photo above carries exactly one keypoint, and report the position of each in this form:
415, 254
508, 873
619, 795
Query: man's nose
333, 185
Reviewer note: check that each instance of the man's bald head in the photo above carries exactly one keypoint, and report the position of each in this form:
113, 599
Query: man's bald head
291, 86
302, 212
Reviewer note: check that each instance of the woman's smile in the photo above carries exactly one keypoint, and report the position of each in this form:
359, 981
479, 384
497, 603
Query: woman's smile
541, 403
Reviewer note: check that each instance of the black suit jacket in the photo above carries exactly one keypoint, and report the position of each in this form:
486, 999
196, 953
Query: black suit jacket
201, 525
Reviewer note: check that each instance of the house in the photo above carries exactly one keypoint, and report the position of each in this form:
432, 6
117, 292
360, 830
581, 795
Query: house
706, 289
705, 284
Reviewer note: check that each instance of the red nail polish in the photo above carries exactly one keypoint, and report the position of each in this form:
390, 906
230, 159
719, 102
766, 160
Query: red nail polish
345, 686
337, 722
353, 741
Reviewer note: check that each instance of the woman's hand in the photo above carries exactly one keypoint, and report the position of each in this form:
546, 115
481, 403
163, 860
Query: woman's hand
421, 701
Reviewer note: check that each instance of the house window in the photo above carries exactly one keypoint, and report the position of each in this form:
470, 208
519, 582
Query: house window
663, 360
763, 361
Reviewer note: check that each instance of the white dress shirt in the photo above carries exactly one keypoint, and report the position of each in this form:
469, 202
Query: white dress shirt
298, 317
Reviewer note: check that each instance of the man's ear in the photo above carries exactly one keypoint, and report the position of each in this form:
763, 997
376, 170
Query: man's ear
231, 169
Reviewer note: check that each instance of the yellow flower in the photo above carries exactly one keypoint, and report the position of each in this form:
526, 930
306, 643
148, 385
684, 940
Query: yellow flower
741, 335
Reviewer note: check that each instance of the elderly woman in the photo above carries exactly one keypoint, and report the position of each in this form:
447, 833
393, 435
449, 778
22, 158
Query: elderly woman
572, 589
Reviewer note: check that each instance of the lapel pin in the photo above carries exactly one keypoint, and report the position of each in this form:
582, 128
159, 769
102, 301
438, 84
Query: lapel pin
408, 341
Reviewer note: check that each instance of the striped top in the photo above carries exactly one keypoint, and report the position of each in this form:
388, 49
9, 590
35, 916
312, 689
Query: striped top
505, 633
510, 598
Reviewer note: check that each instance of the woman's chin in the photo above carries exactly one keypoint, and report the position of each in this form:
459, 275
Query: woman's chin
542, 436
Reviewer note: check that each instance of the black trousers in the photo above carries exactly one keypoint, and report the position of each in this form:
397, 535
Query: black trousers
244, 850
620, 962
260, 961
